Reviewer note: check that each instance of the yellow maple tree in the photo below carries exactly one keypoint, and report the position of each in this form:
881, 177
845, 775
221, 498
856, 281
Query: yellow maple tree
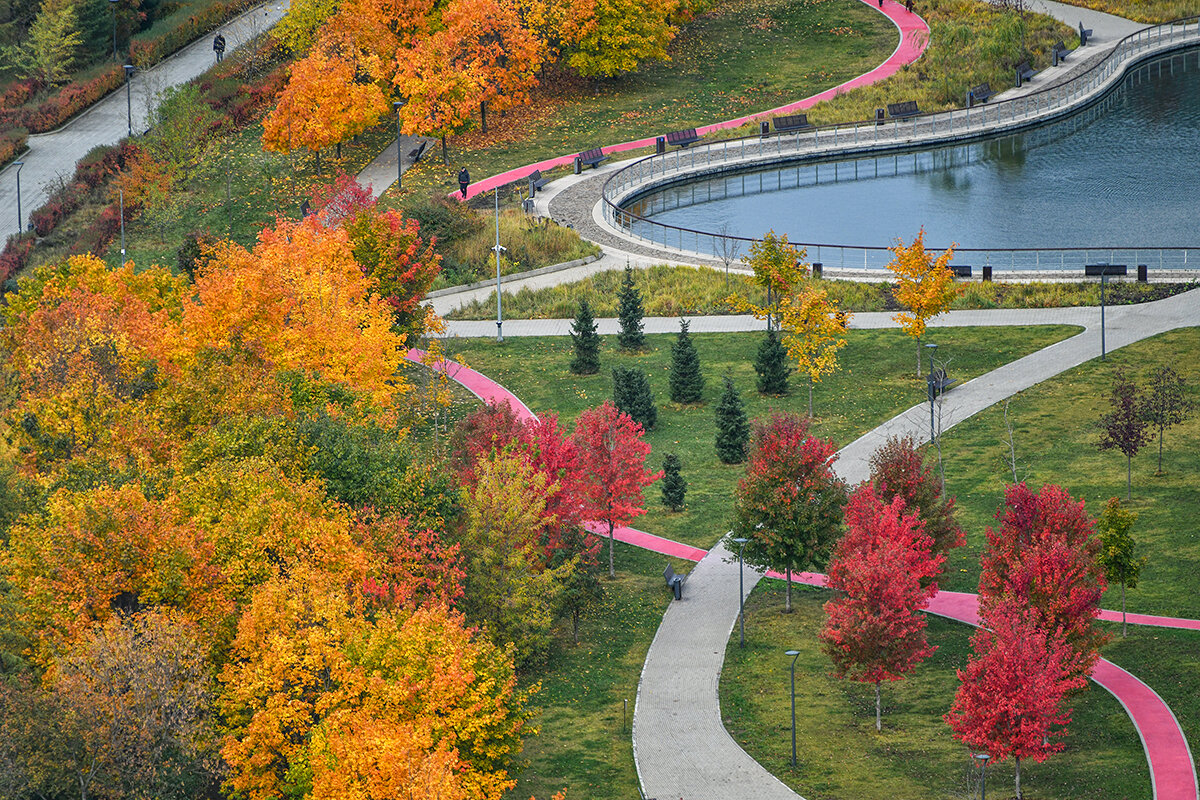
924, 286
814, 331
779, 268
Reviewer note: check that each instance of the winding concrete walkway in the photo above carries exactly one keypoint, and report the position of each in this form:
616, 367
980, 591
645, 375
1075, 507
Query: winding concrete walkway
51, 157
680, 745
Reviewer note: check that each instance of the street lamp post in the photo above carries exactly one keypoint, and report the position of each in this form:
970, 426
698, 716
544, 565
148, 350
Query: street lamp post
398, 104
499, 250
129, 97
1103, 281
932, 389
20, 222
741, 540
113, 5
794, 654
982, 758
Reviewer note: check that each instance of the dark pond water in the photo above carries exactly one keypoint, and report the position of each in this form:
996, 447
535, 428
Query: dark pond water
1125, 173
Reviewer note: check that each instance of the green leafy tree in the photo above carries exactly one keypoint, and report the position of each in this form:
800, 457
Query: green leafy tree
674, 487
630, 313
178, 127
586, 341
1124, 428
50, 46
581, 586
1117, 549
1167, 404
686, 382
632, 395
733, 427
771, 364
298, 29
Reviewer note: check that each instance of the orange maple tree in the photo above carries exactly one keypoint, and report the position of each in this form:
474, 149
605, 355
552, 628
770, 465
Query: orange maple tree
323, 104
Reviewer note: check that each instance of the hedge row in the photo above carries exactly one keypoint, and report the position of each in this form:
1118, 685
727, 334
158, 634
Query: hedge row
12, 142
75, 97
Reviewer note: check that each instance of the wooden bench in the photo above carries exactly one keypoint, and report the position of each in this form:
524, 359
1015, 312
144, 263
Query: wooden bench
938, 382
1059, 52
536, 182
683, 138
901, 110
415, 154
674, 582
593, 157
1084, 34
795, 122
961, 270
1096, 270
979, 94
1024, 72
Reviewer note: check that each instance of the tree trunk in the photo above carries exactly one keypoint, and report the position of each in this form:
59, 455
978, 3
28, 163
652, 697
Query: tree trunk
612, 573
575, 624
338, 150
1160, 433
810, 387
918, 356
483, 116
1122, 609
318, 152
1018, 779
445, 158
787, 603
1128, 479
878, 719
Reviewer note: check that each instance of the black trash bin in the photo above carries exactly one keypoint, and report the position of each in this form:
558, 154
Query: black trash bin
660, 145
1143, 275
764, 128
578, 165
987, 273
818, 268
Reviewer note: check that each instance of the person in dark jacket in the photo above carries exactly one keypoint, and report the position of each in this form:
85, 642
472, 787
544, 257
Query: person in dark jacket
464, 180
219, 46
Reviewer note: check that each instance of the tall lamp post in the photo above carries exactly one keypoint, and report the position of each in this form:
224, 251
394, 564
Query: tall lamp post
499, 249
932, 389
741, 540
129, 97
794, 654
113, 5
20, 222
398, 104
1103, 281
982, 758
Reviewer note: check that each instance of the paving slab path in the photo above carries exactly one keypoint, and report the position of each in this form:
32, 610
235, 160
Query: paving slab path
681, 747
50, 157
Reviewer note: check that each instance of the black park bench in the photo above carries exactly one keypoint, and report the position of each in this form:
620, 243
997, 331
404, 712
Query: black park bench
793, 122
683, 138
1024, 72
1059, 52
593, 157
674, 582
979, 94
938, 383
1084, 34
1098, 270
415, 154
901, 110
961, 270
536, 182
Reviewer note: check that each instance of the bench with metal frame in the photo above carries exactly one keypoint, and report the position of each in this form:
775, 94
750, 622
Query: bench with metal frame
793, 122
979, 94
674, 581
908, 108
683, 138
593, 157
1024, 72
536, 181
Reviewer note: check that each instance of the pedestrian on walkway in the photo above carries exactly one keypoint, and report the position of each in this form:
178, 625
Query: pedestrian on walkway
219, 46
464, 180
908, 5
881, 3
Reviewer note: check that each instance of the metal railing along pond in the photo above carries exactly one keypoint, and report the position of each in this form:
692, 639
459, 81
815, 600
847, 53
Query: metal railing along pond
964, 124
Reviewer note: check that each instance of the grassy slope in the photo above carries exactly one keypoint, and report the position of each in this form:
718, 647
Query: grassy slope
877, 381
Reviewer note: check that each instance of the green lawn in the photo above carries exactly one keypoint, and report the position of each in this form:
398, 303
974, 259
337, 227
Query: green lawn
584, 745
877, 380
1054, 433
840, 756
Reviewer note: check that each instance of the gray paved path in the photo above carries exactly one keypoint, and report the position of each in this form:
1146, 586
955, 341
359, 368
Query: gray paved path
680, 745
51, 157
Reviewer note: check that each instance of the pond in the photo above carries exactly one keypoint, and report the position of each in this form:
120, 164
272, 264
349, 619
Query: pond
1124, 173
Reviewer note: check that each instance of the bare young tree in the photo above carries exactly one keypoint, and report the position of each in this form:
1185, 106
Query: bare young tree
726, 248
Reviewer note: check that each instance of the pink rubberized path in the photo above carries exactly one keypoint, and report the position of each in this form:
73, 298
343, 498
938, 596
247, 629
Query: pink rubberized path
1172, 770
914, 37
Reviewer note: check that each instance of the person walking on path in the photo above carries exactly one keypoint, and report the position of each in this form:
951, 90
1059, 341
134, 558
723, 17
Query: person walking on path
464, 180
219, 46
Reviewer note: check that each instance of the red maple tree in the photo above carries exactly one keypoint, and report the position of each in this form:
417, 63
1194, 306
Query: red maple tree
1044, 556
898, 469
1010, 701
612, 454
790, 502
872, 631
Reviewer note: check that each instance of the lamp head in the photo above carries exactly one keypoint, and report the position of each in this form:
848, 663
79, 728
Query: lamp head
399, 104
129, 69
934, 346
791, 652
741, 540
18, 164
982, 758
